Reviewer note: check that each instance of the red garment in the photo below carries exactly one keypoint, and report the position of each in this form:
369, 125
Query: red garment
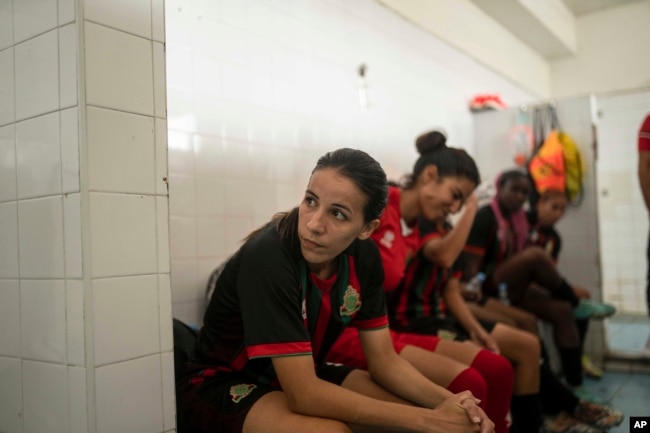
397, 242
644, 135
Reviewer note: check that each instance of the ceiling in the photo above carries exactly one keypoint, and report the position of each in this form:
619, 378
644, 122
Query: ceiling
580, 7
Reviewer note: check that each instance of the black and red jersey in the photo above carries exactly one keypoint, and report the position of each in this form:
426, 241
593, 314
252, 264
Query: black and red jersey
485, 240
421, 292
266, 304
546, 237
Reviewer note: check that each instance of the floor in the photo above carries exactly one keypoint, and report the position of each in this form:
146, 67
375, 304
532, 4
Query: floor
626, 383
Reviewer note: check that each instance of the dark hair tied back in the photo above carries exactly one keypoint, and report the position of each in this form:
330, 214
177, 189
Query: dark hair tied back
450, 161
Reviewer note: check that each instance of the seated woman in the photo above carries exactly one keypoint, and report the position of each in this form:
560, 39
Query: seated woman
280, 303
442, 178
496, 246
432, 303
542, 217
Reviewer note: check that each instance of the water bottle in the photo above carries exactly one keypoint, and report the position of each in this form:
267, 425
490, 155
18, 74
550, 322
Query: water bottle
503, 293
474, 285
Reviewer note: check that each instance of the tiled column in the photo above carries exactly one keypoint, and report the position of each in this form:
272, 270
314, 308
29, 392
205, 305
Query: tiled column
85, 301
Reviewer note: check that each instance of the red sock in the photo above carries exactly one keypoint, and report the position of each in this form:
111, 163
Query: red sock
470, 379
499, 376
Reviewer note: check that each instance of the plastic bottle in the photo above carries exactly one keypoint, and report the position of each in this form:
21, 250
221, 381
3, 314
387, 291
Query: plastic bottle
474, 285
503, 293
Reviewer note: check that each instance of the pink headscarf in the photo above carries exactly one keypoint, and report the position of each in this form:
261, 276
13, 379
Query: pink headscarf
518, 221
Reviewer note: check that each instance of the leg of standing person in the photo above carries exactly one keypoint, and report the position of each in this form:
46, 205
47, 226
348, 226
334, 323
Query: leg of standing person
646, 350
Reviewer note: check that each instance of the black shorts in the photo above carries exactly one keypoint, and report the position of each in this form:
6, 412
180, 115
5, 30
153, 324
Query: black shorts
222, 402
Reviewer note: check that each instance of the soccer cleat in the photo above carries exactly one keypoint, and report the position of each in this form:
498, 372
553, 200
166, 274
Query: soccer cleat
565, 423
597, 415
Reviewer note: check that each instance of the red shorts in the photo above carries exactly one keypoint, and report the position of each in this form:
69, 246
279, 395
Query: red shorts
347, 349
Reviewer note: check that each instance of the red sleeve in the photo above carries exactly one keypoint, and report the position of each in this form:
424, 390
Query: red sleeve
644, 135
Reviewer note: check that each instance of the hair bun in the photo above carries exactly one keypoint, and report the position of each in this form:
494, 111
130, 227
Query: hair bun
430, 141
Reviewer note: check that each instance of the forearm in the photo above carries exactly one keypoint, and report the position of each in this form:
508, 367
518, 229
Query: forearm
459, 309
445, 250
399, 376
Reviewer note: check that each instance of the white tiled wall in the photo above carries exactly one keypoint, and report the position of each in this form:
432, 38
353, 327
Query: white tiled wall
622, 212
85, 298
257, 90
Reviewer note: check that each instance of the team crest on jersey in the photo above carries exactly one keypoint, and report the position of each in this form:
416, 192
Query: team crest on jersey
241, 391
351, 302
388, 239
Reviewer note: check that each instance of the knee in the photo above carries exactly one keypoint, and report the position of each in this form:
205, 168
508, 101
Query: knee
495, 369
528, 322
536, 255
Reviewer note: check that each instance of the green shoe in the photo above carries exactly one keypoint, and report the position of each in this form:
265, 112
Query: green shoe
588, 309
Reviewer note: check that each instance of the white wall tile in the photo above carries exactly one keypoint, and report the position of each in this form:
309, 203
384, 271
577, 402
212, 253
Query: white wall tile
161, 176
75, 323
214, 192
209, 156
7, 88
72, 235
158, 20
206, 75
33, 17
131, 16
38, 152
37, 75
181, 193
162, 233
6, 25
40, 238
129, 396
165, 301
185, 281
11, 395
45, 407
212, 240
123, 238
70, 150
78, 398
121, 153
8, 240
66, 11
159, 80
168, 390
7, 163
9, 319
182, 237
42, 320
181, 155
68, 65
118, 304
190, 312
119, 70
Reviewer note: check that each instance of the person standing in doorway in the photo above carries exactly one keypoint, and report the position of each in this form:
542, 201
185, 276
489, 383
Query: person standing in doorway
644, 182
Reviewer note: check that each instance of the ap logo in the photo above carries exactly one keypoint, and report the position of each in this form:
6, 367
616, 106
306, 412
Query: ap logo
640, 424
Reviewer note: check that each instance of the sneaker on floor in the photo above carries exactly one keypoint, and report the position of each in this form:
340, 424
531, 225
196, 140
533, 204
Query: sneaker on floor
590, 369
597, 415
585, 395
589, 309
565, 423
